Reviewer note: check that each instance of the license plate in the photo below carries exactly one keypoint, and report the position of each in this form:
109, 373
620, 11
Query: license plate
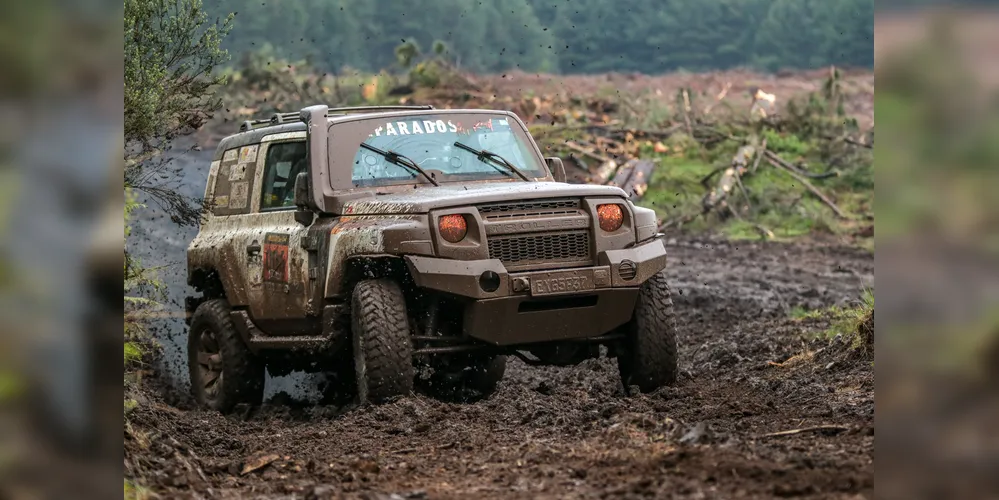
563, 282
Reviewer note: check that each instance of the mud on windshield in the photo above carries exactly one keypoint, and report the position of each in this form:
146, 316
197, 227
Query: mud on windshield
452, 147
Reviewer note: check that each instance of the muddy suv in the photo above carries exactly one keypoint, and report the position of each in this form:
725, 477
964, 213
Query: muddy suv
407, 248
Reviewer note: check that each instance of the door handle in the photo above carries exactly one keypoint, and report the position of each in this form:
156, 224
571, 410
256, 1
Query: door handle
253, 248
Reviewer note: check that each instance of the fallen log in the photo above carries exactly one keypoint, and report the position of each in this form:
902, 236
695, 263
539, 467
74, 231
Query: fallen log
678, 222
773, 156
587, 152
604, 172
811, 188
633, 177
759, 156
716, 197
729, 178
657, 133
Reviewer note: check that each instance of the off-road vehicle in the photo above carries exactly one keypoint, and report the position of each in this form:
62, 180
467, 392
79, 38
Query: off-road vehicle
396, 248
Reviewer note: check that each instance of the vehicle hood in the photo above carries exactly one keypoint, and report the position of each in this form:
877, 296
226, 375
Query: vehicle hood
424, 199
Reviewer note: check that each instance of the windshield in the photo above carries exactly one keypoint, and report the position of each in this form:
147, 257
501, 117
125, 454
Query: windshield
429, 141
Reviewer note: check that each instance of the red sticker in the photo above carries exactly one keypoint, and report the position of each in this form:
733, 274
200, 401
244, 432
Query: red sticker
276, 258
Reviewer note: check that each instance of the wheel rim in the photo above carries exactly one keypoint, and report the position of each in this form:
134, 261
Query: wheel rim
210, 364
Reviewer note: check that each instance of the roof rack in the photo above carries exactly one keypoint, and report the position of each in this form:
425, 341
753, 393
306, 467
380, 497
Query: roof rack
362, 109
279, 118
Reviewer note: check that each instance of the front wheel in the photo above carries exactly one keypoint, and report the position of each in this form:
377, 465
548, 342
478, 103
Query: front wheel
648, 354
383, 349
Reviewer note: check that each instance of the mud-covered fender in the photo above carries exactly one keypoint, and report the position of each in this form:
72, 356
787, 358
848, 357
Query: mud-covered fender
213, 252
373, 235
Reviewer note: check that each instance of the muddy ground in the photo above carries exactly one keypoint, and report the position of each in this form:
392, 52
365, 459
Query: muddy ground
747, 371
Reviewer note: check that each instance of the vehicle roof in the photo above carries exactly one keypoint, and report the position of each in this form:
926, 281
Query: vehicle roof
255, 135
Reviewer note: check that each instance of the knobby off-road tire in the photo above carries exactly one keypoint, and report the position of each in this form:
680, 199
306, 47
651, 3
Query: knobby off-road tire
465, 380
238, 375
383, 349
648, 357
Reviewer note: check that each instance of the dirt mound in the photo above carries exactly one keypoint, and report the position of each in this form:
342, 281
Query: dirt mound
761, 409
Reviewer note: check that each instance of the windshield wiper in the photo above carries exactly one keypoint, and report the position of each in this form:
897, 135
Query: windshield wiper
484, 155
403, 161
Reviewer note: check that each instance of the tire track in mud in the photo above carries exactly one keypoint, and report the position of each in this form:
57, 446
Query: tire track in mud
746, 371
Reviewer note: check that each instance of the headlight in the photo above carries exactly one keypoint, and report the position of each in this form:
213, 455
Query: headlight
610, 217
453, 227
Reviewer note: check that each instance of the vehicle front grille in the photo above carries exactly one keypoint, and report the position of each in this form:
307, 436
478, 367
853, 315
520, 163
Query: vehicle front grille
540, 251
537, 208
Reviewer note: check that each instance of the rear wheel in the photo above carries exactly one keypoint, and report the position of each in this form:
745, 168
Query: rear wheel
223, 371
648, 354
383, 349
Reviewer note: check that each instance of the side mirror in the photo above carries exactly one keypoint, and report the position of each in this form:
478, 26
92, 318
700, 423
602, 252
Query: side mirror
556, 168
303, 215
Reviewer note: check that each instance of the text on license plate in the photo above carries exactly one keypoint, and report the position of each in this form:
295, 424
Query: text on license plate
561, 284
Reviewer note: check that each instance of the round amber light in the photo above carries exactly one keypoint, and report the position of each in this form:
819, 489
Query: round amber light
453, 227
610, 217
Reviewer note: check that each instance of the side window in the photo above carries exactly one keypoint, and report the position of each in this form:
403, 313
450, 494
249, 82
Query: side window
234, 181
285, 160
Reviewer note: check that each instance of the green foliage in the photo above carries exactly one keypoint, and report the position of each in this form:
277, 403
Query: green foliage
427, 74
426, 70
133, 353
813, 33
362, 34
263, 68
170, 51
676, 187
137, 278
406, 52
847, 322
581, 36
439, 48
140, 291
786, 143
779, 203
699, 35
810, 136
133, 491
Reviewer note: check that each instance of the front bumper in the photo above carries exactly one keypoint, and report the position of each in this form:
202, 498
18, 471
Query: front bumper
536, 306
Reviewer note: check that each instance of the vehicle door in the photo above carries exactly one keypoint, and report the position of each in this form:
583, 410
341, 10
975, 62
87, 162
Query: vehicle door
277, 267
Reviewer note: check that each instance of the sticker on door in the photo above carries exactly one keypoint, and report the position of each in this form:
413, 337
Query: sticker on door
276, 258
